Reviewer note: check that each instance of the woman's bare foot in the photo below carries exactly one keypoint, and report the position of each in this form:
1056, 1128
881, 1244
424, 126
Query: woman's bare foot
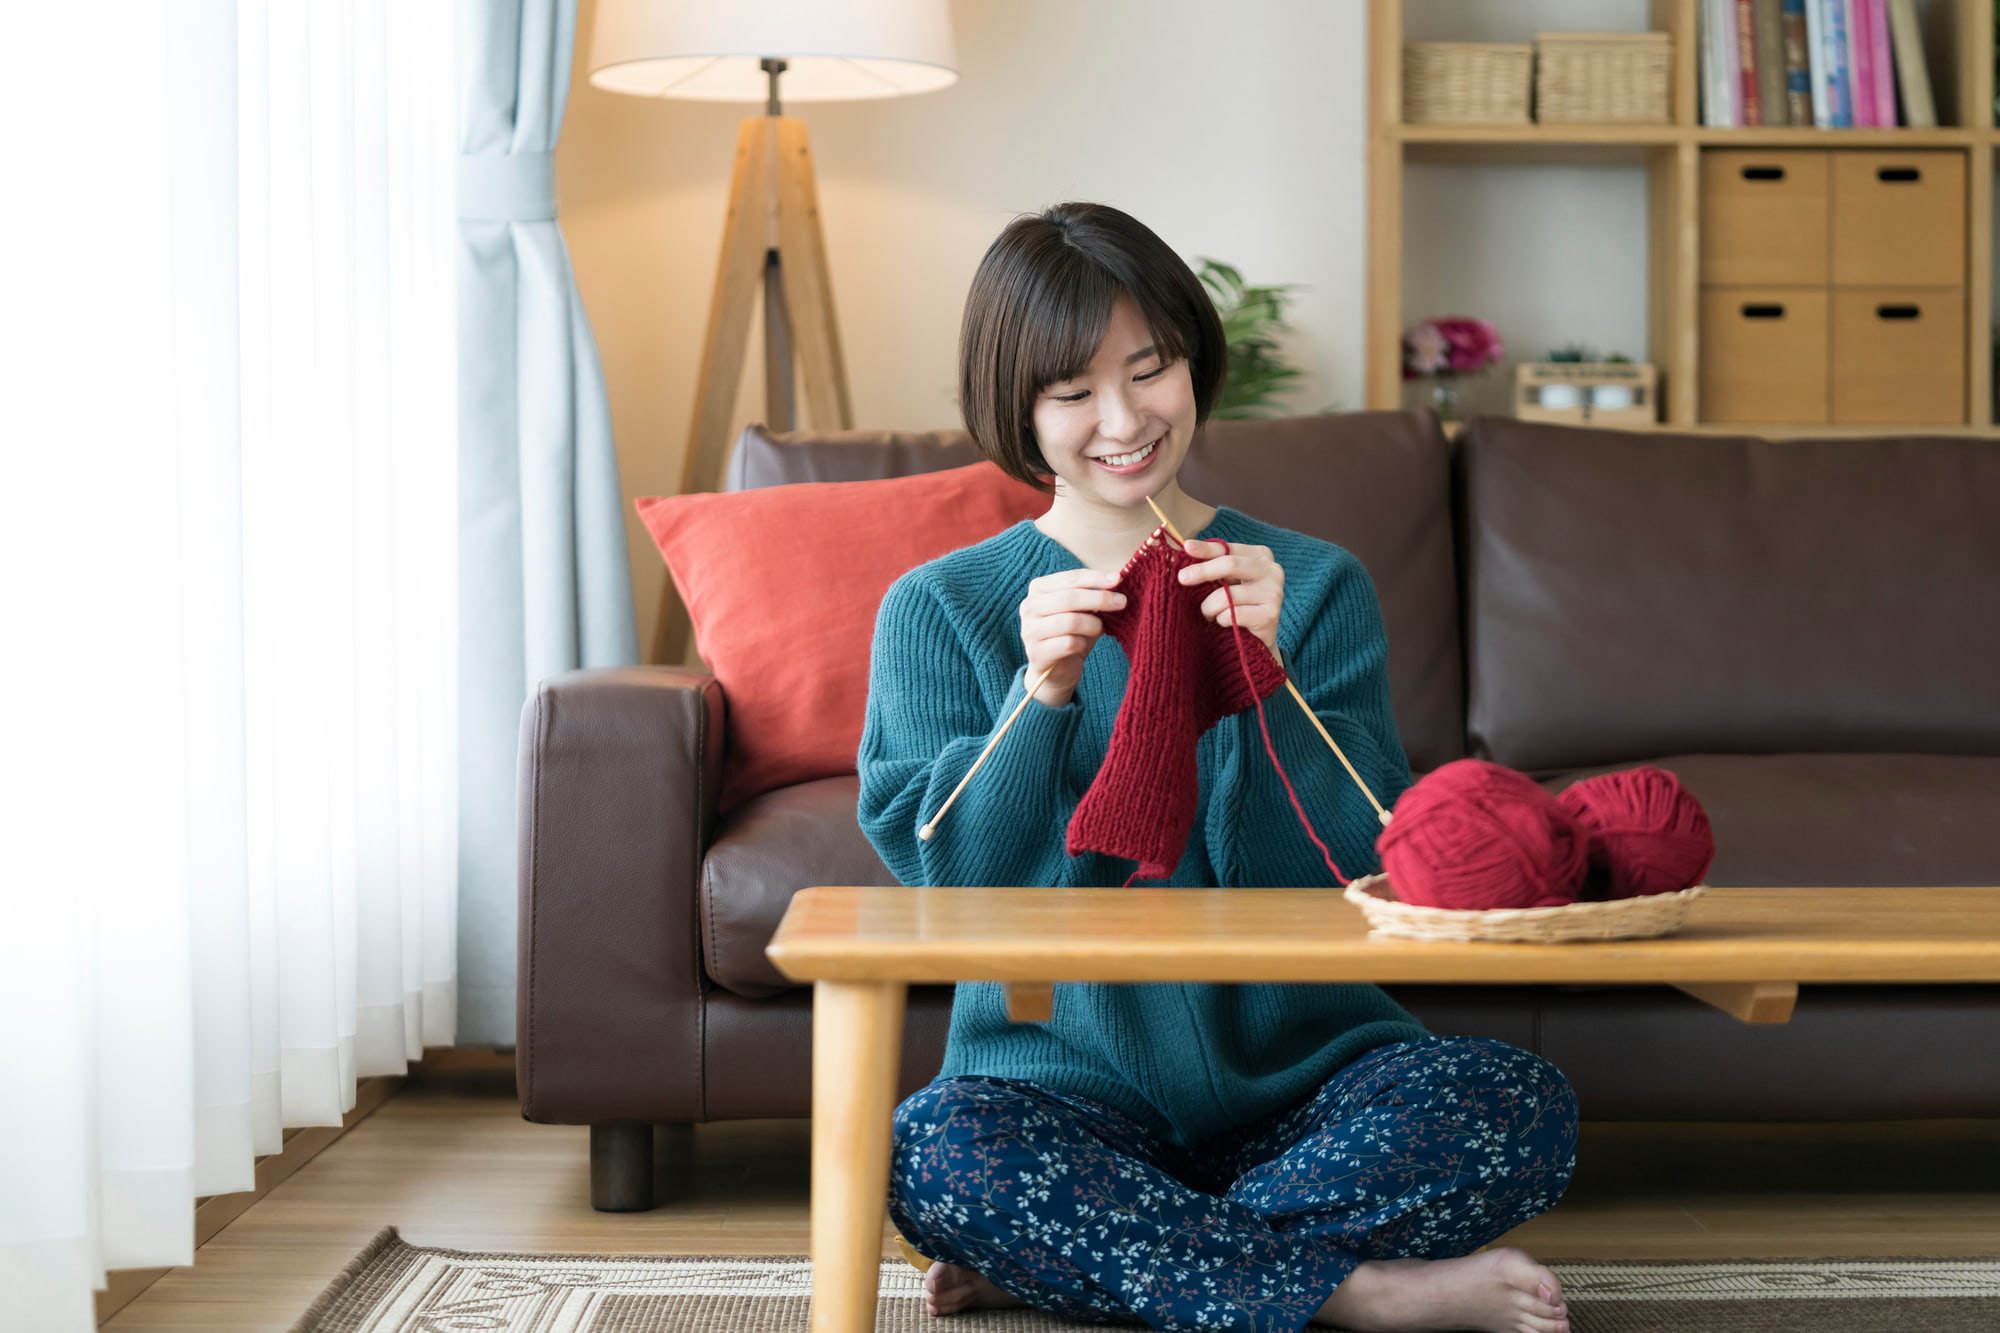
1498, 1291
949, 1289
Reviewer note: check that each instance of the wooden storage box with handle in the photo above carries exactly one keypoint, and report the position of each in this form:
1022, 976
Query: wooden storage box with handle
1898, 219
1764, 217
1764, 354
1899, 356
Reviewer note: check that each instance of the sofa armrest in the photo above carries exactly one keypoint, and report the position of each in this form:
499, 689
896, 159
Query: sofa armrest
618, 778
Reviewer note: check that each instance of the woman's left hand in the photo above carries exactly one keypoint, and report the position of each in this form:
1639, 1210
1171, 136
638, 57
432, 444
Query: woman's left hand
1257, 585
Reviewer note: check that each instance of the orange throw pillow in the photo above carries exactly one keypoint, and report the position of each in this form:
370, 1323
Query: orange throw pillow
783, 583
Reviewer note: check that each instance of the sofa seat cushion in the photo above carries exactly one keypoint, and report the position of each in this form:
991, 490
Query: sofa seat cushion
1849, 1053
765, 851
1901, 820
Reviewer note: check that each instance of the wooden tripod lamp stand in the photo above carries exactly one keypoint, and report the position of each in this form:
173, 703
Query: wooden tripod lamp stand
736, 51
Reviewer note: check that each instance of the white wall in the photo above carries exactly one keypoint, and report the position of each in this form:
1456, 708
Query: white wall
1235, 129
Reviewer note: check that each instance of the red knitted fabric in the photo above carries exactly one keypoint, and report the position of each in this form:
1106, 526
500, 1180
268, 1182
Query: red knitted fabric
1185, 678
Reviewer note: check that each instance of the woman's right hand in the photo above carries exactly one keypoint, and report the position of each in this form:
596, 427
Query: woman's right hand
1059, 626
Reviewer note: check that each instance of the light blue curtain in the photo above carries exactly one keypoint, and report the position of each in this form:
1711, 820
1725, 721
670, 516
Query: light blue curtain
543, 583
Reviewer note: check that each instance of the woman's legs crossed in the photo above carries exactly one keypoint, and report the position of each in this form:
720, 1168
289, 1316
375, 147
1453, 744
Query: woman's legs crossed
1063, 1205
1425, 1149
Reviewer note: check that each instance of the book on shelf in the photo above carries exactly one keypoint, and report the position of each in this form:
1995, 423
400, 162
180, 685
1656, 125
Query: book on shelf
1815, 63
1798, 67
1884, 63
1719, 95
1769, 41
1913, 76
1860, 64
1750, 103
1833, 56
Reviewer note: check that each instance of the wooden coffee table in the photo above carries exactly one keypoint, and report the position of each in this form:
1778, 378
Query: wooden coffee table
1745, 951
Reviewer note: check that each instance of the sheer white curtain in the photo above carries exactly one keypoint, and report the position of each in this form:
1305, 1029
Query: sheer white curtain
228, 508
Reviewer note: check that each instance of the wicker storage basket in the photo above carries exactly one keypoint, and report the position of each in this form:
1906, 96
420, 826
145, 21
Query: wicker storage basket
1466, 83
1619, 919
1603, 77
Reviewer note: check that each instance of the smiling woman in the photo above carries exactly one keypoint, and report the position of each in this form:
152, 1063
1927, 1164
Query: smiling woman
1254, 1157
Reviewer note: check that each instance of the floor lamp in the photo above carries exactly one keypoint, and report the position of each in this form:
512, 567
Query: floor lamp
772, 247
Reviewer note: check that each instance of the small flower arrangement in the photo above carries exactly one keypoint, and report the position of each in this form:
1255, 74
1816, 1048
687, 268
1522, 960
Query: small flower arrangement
1446, 349
1449, 347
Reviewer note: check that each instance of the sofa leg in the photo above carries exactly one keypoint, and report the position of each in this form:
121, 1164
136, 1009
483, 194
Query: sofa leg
621, 1168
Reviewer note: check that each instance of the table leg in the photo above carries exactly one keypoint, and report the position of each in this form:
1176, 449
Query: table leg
857, 1044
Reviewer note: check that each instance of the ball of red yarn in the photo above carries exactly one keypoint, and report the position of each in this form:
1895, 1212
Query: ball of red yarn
1473, 834
1646, 833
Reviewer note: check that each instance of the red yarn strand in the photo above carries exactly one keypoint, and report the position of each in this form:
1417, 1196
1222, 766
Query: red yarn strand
1242, 657
1272, 750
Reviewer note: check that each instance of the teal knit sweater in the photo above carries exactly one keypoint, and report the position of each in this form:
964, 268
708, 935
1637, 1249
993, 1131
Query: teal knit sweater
1187, 1061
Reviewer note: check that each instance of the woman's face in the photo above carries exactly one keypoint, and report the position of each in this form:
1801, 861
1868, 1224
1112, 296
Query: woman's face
1117, 433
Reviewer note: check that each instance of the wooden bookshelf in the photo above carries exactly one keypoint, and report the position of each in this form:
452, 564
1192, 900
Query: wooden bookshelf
1671, 154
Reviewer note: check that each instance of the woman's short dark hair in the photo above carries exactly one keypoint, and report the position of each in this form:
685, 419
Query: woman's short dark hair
1039, 306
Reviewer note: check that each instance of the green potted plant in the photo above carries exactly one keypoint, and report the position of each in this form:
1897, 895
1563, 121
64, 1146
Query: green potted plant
1252, 317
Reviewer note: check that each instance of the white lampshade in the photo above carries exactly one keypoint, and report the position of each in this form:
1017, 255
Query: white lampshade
837, 50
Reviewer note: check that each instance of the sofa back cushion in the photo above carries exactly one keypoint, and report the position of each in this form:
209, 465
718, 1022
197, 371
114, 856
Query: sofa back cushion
782, 458
1377, 483
1635, 595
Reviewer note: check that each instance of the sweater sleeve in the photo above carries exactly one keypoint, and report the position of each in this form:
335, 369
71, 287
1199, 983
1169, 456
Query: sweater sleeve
933, 704
1334, 648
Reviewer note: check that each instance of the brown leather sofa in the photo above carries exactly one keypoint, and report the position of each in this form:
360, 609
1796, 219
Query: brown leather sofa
1807, 632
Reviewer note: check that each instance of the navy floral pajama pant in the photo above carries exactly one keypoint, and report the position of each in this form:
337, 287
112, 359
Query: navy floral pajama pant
1422, 1149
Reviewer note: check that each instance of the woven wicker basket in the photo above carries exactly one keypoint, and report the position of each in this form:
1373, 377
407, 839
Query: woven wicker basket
1619, 919
1603, 77
1466, 83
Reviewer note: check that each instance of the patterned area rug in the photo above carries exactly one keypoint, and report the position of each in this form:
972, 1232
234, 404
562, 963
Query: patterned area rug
392, 1287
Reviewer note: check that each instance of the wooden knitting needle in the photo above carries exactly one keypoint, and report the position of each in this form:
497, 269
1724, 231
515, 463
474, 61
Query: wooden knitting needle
928, 829
1319, 726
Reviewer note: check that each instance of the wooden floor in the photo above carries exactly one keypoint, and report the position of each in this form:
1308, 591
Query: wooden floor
450, 1162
